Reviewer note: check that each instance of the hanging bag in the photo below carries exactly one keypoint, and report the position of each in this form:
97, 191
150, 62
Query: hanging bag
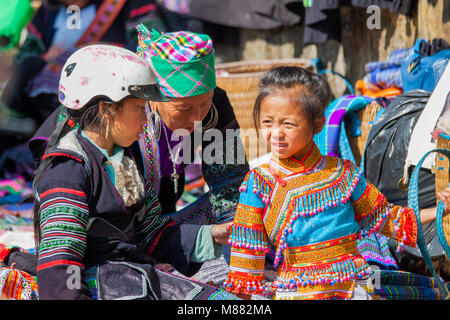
413, 202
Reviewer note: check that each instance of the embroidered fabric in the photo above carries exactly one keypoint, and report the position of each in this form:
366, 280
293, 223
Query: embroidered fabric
128, 182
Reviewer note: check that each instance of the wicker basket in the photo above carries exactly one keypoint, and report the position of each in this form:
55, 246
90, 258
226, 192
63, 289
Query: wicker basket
366, 115
442, 177
240, 80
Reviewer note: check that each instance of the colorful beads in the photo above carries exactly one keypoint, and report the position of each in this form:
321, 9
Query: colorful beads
240, 282
315, 203
401, 243
327, 274
248, 238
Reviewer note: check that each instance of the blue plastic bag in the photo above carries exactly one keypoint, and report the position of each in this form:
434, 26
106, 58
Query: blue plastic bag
419, 72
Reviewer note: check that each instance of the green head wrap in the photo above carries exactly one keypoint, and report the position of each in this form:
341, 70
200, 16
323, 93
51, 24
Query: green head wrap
182, 61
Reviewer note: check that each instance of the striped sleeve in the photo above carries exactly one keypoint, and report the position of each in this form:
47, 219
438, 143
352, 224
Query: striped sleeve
63, 219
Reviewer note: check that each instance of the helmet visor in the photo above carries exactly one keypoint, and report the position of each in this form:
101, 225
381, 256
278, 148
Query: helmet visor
147, 92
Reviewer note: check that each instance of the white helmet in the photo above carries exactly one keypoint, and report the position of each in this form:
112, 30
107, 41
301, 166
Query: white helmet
106, 71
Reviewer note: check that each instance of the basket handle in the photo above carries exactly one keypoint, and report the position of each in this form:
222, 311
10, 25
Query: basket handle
317, 63
413, 202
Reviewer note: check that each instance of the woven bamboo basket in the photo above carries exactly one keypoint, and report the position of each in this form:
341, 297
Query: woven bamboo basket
240, 80
366, 115
442, 177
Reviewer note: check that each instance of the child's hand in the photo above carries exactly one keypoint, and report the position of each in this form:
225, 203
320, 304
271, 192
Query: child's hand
221, 232
444, 196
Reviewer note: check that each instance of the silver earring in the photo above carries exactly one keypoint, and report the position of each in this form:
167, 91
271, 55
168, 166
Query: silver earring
157, 124
107, 129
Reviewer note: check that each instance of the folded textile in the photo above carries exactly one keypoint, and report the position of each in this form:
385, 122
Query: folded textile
5, 251
403, 278
22, 260
14, 190
19, 258
384, 78
24, 210
401, 285
333, 140
395, 58
387, 74
17, 285
22, 239
376, 93
12, 221
408, 293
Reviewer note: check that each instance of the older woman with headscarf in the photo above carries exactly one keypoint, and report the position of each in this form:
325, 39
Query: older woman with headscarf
183, 63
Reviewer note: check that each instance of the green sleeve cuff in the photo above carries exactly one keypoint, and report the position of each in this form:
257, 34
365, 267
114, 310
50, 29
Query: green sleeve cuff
205, 247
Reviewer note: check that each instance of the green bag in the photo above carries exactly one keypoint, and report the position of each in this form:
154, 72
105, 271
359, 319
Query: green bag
14, 16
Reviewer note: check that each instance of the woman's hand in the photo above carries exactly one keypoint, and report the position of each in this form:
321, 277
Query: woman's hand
429, 214
221, 232
444, 196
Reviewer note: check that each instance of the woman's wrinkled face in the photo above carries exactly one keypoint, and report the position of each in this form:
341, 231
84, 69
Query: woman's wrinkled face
127, 123
183, 113
285, 128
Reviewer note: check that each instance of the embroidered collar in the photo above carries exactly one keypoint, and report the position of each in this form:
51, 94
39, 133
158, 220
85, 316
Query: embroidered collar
290, 165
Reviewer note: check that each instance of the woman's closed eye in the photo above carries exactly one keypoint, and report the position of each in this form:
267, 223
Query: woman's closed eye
184, 108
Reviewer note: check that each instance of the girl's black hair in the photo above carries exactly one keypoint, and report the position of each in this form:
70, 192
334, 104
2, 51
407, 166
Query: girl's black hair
314, 91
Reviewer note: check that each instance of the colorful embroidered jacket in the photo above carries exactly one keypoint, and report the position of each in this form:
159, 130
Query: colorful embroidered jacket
312, 211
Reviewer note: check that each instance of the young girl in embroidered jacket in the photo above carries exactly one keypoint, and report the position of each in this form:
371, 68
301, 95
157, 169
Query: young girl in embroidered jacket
310, 207
94, 211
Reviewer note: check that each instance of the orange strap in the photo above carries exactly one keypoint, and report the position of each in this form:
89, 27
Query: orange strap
106, 14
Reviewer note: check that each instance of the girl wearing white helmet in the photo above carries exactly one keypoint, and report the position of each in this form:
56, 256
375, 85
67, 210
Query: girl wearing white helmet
98, 225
